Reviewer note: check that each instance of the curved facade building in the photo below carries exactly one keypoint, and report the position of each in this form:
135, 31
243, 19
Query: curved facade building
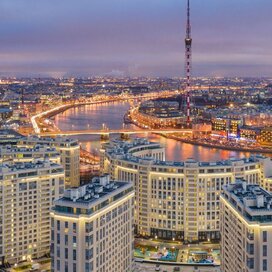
177, 200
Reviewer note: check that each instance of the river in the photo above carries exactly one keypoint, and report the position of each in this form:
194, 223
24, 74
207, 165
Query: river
111, 114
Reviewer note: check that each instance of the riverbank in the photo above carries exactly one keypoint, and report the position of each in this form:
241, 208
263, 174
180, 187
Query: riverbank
216, 146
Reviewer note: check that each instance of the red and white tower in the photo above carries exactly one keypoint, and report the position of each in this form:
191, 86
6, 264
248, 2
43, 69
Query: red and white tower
188, 65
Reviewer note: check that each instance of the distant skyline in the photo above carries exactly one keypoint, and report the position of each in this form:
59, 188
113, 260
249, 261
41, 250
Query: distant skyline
134, 37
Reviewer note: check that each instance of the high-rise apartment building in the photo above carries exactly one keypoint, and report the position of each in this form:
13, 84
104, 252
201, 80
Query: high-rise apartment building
12, 153
27, 193
177, 199
246, 228
92, 228
70, 155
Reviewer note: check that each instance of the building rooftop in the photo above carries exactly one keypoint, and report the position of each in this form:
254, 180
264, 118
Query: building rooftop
59, 140
251, 201
124, 150
8, 136
91, 197
4, 110
37, 148
9, 168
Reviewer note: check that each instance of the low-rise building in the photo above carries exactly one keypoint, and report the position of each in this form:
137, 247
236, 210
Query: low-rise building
92, 228
265, 137
246, 228
249, 133
227, 126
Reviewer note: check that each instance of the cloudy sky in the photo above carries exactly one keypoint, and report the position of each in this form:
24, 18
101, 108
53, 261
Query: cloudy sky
134, 37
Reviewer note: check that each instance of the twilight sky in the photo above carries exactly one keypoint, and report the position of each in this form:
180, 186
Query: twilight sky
134, 37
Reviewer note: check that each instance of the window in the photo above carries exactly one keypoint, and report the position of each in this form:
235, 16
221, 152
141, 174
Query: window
264, 236
33, 185
74, 241
88, 227
74, 227
89, 254
264, 265
58, 252
58, 225
52, 222
250, 248
89, 240
265, 250
87, 267
74, 255
66, 253
250, 263
22, 186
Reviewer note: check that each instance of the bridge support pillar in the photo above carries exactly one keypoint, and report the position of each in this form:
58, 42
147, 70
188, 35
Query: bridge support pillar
105, 137
124, 136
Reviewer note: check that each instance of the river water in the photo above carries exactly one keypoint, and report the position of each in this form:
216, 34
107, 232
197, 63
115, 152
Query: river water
111, 115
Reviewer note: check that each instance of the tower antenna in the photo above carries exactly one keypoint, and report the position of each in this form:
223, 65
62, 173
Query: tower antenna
188, 65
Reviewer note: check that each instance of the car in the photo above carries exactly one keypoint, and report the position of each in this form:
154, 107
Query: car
139, 260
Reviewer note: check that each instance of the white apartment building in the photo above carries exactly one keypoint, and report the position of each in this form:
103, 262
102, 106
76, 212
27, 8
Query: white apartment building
69, 150
177, 200
92, 228
27, 193
246, 228
11, 153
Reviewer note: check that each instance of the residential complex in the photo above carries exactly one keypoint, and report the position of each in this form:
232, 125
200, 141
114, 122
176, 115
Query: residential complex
92, 228
69, 150
27, 192
177, 200
246, 228
9, 153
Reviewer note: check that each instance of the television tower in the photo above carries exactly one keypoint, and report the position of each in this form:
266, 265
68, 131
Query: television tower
188, 64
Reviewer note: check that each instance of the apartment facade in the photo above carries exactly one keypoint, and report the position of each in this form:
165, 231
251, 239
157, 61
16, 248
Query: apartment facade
246, 228
27, 193
69, 150
177, 200
11, 153
92, 228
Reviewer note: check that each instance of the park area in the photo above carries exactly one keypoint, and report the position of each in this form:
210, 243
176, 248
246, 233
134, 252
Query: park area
169, 252
160, 253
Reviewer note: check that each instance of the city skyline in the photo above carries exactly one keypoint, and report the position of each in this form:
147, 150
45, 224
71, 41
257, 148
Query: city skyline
134, 39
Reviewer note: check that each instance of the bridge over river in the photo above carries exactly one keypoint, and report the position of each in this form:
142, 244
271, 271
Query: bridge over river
118, 131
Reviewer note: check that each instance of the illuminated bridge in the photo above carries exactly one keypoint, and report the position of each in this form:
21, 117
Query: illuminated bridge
116, 131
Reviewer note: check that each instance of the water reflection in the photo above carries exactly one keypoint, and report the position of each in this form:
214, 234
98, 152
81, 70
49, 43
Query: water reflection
111, 114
